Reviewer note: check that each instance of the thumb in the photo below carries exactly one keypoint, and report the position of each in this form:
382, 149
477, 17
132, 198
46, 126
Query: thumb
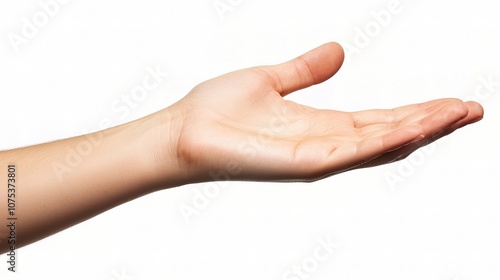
313, 67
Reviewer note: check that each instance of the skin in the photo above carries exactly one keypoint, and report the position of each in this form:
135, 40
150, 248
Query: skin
233, 127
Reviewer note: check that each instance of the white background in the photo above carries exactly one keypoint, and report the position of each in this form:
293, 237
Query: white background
439, 220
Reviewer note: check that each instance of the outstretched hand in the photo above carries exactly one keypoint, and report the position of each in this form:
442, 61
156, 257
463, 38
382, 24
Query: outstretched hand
234, 127
240, 125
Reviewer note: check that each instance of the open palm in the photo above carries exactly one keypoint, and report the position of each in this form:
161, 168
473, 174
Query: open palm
240, 122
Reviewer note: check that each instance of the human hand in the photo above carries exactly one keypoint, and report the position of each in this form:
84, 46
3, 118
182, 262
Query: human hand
234, 127
239, 127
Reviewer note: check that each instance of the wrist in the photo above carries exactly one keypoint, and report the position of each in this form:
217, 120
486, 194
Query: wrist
156, 148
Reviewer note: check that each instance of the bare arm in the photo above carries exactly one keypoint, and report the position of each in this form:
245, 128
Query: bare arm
61, 183
233, 127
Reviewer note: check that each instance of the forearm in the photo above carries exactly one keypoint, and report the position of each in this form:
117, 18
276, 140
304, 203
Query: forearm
61, 183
